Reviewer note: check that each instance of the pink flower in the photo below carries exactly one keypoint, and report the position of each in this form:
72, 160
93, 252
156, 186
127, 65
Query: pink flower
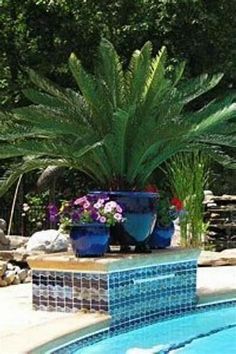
111, 204
102, 219
101, 201
98, 216
119, 209
118, 216
98, 205
107, 209
80, 201
86, 205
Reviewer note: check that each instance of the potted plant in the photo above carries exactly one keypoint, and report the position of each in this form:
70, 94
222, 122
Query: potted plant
121, 125
88, 219
167, 211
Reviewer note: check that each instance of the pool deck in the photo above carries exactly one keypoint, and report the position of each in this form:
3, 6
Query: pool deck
22, 329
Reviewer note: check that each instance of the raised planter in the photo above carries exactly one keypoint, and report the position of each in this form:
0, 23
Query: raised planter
134, 289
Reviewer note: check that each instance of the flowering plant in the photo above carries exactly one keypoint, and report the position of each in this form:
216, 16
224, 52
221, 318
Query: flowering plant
87, 209
168, 209
34, 211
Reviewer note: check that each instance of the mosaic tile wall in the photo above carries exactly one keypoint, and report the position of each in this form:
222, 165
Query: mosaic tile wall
145, 295
132, 297
69, 291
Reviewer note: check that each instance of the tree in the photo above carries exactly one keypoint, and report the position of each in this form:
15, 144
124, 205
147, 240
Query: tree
41, 34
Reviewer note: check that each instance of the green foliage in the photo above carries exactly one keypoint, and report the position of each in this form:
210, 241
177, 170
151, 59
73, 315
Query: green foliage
164, 215
188, 175
121, 125
192, 30
35, 211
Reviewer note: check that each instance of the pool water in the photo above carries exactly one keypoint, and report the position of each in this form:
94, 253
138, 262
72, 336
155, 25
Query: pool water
208, 332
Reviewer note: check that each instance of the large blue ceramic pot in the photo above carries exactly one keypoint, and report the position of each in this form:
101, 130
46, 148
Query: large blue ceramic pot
89, 239
161, 236
139, 213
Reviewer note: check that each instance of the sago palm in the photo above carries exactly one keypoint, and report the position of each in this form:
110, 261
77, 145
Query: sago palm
120, 125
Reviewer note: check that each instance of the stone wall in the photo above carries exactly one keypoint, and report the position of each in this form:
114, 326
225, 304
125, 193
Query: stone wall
220, 212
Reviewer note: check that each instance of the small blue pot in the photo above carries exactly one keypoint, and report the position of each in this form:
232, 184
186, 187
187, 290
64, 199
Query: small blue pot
161, 236
89, 239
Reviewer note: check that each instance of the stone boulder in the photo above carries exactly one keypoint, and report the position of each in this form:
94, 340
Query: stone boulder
229, 256
9, 276
3, 225
226, 257
48, 241
3, 267
17, 241
4, 241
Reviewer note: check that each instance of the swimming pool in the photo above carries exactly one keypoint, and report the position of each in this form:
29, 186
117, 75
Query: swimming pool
211, 331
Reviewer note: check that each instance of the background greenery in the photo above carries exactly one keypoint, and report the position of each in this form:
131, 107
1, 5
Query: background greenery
41, 34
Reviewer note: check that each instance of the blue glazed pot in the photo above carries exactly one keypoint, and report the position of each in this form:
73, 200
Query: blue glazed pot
139, 213
161, 236
89, 239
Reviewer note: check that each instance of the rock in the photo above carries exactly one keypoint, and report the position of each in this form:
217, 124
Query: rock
22, 274
3, 225
208, 193
211, 204
226, 257
3, 267
3, 282
17, 241
16, 280
17, 269
10, 266
207, 258
28, 279
6, 255
9, 276
20, 255
49, 241
229, 256
4, 242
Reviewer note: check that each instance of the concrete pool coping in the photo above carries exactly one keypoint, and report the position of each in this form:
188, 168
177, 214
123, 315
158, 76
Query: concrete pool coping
23, 329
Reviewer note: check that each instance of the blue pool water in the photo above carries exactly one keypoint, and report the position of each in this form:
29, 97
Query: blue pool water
208, 332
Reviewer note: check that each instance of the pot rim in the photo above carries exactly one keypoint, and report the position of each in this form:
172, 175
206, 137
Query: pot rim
125, 193
91, 224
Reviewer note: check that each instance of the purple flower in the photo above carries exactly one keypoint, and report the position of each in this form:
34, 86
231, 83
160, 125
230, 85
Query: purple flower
53, 218
94, 215
53, 212
76, 216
